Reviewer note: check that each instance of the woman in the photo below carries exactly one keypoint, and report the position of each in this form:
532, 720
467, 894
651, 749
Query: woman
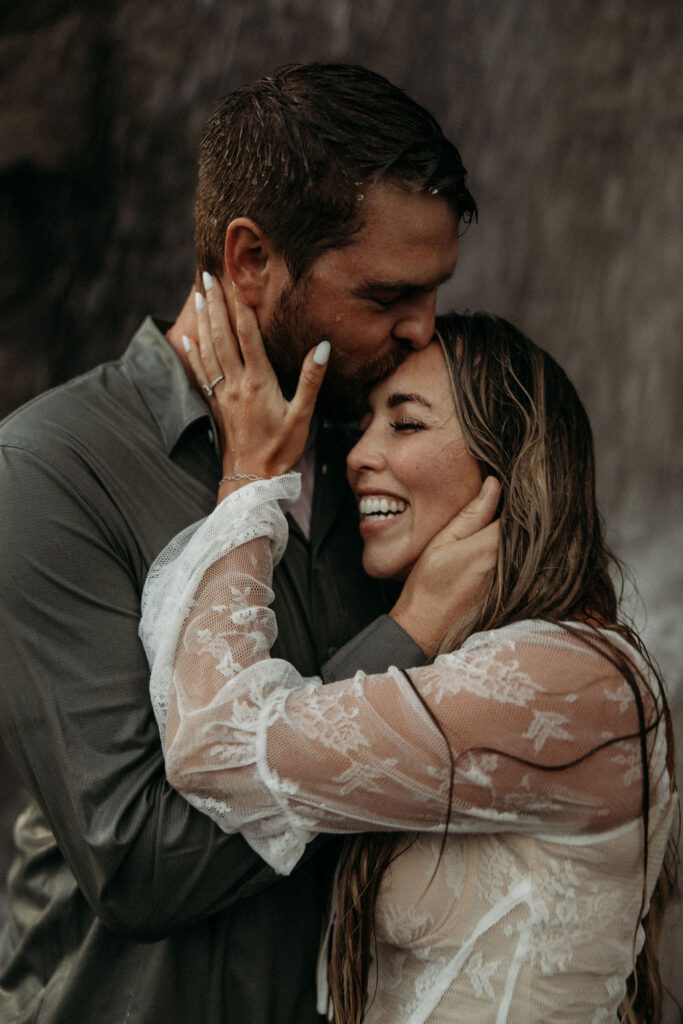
510, 803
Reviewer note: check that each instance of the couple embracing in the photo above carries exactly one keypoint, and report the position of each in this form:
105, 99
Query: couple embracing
492, 746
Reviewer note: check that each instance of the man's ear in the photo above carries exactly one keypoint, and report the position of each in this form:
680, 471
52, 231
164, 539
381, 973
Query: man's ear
253, 264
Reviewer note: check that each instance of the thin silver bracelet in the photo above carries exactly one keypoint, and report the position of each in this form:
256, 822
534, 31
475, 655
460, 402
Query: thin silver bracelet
240, 476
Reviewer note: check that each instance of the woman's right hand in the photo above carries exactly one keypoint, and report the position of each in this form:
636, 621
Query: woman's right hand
450, 576
261, 433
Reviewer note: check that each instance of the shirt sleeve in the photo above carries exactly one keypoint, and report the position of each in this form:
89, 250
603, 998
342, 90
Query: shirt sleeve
537, 731
76, 715
382, 643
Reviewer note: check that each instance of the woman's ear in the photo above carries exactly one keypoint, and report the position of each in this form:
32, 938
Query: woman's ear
253, 264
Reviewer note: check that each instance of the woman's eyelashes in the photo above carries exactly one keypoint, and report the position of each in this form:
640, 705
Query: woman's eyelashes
400, 425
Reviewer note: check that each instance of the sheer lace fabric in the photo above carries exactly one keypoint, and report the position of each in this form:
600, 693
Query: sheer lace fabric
532, 912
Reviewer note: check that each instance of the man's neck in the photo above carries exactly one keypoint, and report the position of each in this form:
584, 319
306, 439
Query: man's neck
185, 323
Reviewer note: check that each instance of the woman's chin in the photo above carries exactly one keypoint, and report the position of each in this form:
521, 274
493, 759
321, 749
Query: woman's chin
385, 568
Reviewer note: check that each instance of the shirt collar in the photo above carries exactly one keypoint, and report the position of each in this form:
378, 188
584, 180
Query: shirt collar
160, 377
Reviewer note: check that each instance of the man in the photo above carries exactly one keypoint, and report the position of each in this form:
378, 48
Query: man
332, 201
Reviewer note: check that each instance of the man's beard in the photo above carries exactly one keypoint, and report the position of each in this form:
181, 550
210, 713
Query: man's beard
291, 333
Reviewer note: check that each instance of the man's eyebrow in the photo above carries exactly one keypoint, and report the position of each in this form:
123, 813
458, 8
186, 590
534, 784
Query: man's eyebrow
400, 398
402, 285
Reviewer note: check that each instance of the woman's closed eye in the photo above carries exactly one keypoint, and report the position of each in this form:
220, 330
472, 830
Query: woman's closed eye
402, 425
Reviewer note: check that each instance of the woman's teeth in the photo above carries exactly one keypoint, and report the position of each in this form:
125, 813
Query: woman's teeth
374, 509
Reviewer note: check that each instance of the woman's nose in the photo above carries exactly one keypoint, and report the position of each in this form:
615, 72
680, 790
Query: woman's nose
365, 454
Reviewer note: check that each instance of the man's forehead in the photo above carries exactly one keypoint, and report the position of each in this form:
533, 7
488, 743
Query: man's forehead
387, 204
406, 225
406, 266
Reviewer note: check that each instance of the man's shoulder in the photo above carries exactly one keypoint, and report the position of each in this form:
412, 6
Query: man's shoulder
142, 401
82, 411
60, 399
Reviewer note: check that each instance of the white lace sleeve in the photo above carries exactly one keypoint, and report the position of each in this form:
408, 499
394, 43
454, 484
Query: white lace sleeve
536, 720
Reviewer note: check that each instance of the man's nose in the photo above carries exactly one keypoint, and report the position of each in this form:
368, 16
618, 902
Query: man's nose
416, 326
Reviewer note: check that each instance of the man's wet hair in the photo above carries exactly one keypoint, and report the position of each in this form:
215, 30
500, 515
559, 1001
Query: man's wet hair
297, 150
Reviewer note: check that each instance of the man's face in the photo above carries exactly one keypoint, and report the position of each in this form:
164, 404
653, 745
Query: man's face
374, 299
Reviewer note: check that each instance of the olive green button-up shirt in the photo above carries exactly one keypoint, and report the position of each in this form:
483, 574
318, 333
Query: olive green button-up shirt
125, 903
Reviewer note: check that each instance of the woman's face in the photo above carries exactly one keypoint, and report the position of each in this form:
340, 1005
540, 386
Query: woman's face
411, 470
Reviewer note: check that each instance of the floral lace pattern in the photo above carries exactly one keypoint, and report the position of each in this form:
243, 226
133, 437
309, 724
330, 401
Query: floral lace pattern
530, 913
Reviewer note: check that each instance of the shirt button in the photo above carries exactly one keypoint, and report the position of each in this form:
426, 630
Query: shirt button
331, 651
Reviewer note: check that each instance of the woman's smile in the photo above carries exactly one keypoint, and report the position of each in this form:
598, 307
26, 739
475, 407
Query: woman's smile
375, 509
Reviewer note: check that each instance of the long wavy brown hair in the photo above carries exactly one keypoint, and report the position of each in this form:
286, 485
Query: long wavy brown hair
525, 424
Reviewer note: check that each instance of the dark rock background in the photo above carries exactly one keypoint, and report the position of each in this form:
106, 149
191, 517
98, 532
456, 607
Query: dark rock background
568, 116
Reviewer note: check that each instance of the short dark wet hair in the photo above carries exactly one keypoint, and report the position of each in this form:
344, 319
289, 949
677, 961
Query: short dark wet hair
295, 150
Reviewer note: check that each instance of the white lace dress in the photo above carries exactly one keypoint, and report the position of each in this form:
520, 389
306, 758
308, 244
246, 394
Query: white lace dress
532, 912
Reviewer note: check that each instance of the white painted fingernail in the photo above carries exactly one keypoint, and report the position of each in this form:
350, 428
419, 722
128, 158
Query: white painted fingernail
207, 281
199, 301
322, 353
187, 344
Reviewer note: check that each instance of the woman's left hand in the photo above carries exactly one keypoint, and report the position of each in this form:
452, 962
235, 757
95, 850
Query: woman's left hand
261, 433
451, 575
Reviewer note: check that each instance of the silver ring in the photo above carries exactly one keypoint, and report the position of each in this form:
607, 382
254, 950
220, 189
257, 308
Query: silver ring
208, 388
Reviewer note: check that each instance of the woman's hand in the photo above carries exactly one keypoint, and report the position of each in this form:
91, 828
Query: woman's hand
450, 576
261, 433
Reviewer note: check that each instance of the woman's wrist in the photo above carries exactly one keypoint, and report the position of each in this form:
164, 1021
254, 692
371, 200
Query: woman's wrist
246, 477
232, 482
